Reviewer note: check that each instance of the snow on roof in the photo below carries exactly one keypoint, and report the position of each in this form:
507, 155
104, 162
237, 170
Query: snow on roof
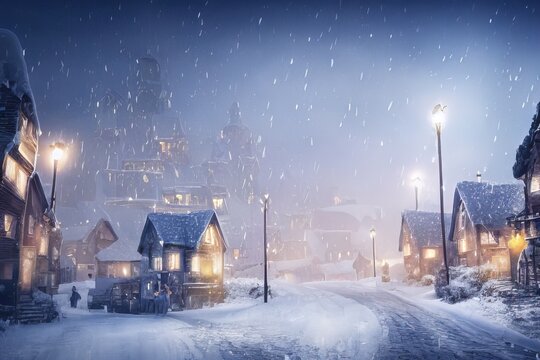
424, 227
14, 74
181, 229
120, 250
490, 204
74, 233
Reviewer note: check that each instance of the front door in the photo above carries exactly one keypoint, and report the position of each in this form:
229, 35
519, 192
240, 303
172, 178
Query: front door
28, 265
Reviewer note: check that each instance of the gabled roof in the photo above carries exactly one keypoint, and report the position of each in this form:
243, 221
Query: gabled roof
487, 204
424, 227
179, 229
119, 251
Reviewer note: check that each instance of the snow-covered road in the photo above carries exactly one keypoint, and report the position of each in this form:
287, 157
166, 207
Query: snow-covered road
298, 323
413, 329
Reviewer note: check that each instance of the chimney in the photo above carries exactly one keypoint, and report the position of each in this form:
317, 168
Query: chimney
478, 176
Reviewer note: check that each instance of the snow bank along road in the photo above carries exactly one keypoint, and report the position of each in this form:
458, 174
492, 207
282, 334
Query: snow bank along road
411, 331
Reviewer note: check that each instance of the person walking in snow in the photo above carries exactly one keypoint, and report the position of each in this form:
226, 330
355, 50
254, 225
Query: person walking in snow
166, 298
75, 297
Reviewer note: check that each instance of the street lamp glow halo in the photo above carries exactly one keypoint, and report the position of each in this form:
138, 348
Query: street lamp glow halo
372, 232
417, 182
58, 150
438, 115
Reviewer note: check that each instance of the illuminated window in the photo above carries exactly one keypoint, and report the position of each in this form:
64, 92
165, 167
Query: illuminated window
157, 263
430, 253
9, 225
27, 151
462, 217
16, 175
218, 203
462, 244
535, 183
44, 245
210, 235
196, 264
173, 261
407, 249
486, 238
31, 225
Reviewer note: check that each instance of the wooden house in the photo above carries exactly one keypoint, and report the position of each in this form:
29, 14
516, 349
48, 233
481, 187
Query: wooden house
478, 227
186, 252
29, 241
527, 222
83, 252
420, 240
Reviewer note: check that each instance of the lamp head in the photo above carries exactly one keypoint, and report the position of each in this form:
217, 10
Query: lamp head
372, 232
438, 116
58, 149
417, 182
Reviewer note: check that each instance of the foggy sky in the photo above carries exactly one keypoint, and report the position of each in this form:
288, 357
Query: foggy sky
339, 92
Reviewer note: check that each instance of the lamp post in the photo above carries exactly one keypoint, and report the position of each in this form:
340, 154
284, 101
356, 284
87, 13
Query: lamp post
417, 182
372, 234
438, 116
265, 211
57, 154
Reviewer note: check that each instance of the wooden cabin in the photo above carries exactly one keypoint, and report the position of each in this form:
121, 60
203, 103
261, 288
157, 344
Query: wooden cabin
118, 261
478, 227
184, 251
420, 240
527, 222
83, 252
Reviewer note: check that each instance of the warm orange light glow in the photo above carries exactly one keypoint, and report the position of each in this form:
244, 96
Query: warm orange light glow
517, 243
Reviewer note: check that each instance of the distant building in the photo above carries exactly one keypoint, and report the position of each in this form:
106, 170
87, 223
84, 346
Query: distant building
118, 261
184, 251
420, 240
79, 256
478, 228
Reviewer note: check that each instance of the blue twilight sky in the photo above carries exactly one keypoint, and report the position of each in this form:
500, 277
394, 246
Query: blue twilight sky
339, 91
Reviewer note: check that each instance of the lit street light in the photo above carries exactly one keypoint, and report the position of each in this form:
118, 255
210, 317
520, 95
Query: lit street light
266, 197
438, 116
417, 182
372, 234
58, 149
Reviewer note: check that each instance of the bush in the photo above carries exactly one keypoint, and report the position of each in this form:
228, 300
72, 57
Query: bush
427, 280
465, 282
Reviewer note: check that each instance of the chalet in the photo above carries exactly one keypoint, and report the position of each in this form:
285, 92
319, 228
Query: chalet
420, 240
186, 252
82, 252
478, 227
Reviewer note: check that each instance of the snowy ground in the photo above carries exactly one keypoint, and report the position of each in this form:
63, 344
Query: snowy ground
297, 323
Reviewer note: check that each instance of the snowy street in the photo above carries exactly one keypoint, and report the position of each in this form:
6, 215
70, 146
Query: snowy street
317, 320
411, 331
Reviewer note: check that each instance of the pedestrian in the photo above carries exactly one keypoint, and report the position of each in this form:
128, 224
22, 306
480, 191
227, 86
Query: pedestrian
166, 291
75, 297
157, 301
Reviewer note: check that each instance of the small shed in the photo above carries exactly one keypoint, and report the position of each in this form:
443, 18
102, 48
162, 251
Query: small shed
184, 251
420, 240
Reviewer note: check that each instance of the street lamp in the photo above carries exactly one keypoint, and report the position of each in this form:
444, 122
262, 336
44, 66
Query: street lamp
265, 203
438, 116
417, 182
58, 149
372, 234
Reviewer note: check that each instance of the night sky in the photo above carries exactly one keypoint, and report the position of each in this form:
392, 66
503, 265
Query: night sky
339, 93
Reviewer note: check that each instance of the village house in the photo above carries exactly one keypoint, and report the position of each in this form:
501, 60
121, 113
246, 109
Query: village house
478, 227
420, 240
527, 222
30, 242
184, 251
79, 256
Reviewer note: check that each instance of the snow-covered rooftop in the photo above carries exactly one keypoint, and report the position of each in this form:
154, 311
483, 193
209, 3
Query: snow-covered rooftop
489, 204
424, 227
181, 229
120, 250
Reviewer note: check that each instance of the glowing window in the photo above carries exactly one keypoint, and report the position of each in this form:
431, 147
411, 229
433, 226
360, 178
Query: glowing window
486, 238
157, 263
535, 183
218, 203
173, 261
407, 249
430, 253
196, 264
462, 244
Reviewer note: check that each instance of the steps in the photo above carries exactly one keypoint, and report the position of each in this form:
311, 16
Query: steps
31, 312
